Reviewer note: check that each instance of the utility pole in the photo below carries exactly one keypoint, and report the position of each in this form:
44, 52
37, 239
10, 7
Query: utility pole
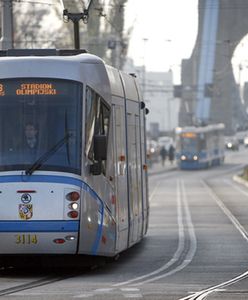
6, 41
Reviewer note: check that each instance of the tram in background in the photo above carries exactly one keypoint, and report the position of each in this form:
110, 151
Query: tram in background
200, 147
84, 188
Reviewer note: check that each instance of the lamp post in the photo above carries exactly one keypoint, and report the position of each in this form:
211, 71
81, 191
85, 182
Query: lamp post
145, 40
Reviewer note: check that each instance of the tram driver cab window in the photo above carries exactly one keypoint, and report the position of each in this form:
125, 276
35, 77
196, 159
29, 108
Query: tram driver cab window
96, 123
40, 121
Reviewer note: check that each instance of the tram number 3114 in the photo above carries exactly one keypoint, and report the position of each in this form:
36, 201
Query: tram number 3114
26, 239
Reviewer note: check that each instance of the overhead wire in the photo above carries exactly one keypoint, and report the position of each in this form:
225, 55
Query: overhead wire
34, 2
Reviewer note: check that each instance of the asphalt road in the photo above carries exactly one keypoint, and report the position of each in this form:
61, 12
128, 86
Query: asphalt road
196, 246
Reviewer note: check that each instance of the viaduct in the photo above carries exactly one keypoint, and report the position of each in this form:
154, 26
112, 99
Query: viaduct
209, 92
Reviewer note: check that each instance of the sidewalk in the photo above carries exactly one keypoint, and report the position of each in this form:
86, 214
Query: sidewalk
157, 168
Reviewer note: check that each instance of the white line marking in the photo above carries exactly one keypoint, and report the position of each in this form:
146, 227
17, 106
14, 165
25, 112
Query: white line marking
84, 295
130, 290
133, 296
181, 197
154, 190
202, 294
178, 251
193, 243
104, 290
236, 187
227, 212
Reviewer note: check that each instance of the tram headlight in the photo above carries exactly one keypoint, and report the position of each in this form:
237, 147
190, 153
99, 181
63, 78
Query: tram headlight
152, 150
183, 157
74, 206
70, 238
195, 157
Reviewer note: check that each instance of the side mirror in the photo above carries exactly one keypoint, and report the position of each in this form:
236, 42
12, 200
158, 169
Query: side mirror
142, 105
100, 147
100, 154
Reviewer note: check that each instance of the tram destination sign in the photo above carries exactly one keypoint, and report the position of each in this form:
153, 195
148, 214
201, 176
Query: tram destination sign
26, 89
15, 87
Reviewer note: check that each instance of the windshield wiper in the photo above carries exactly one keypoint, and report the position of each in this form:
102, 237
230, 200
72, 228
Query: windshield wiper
44, 157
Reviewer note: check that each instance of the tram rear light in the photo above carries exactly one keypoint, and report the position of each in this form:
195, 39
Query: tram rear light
73, 214
59, 241
122, 158
73, 196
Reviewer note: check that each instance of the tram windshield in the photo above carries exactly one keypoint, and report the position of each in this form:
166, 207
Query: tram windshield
189, 144
35, 116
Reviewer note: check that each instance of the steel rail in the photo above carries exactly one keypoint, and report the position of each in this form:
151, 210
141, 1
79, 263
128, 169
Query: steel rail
186, 244
201, 295
31, 285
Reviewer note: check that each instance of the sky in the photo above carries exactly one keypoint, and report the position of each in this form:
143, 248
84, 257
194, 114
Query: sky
163, 32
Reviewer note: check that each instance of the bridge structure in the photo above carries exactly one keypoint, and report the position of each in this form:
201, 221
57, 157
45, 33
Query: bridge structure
209, 91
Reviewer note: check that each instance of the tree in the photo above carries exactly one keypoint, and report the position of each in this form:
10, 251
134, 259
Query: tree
117, 18
39, 24
29, 29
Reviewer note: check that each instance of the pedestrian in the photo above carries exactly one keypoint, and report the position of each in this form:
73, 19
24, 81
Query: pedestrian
163, 154
171, 154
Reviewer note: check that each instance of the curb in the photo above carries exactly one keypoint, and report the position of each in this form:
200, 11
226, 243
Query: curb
240, 180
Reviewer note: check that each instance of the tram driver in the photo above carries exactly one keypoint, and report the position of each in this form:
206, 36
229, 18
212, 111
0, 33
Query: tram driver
31, 137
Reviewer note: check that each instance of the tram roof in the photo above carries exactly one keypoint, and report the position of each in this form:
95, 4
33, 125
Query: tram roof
41, 52
200, 129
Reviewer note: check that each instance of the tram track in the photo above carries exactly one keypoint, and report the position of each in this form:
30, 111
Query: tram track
31, 285
181, 258
186, 244
203, 294
42, 281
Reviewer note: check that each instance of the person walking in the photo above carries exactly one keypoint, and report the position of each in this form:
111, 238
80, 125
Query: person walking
171, 154
163, 154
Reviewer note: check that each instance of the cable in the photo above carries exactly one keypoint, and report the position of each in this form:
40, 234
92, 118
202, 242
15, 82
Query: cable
34, 2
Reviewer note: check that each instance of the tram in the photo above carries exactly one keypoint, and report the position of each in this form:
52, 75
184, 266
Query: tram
81, 188
200, 147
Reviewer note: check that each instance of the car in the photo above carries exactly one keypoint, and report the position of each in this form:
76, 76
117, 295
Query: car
246, 141
232, 143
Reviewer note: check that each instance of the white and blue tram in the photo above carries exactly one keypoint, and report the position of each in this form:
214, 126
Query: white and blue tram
200, 147
83, 188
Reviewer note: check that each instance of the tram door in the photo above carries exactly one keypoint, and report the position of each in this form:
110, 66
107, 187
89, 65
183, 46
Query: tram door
134, 171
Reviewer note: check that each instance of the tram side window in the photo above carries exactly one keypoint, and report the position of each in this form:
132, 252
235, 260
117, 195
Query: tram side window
202, 141
97, 120
90, 120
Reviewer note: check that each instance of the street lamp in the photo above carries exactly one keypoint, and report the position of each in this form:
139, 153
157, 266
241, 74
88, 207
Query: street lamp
145, 40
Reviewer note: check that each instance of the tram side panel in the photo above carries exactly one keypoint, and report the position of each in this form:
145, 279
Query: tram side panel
144, 177
120, 178
120, 161
98, 226
133, 111
134, 174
